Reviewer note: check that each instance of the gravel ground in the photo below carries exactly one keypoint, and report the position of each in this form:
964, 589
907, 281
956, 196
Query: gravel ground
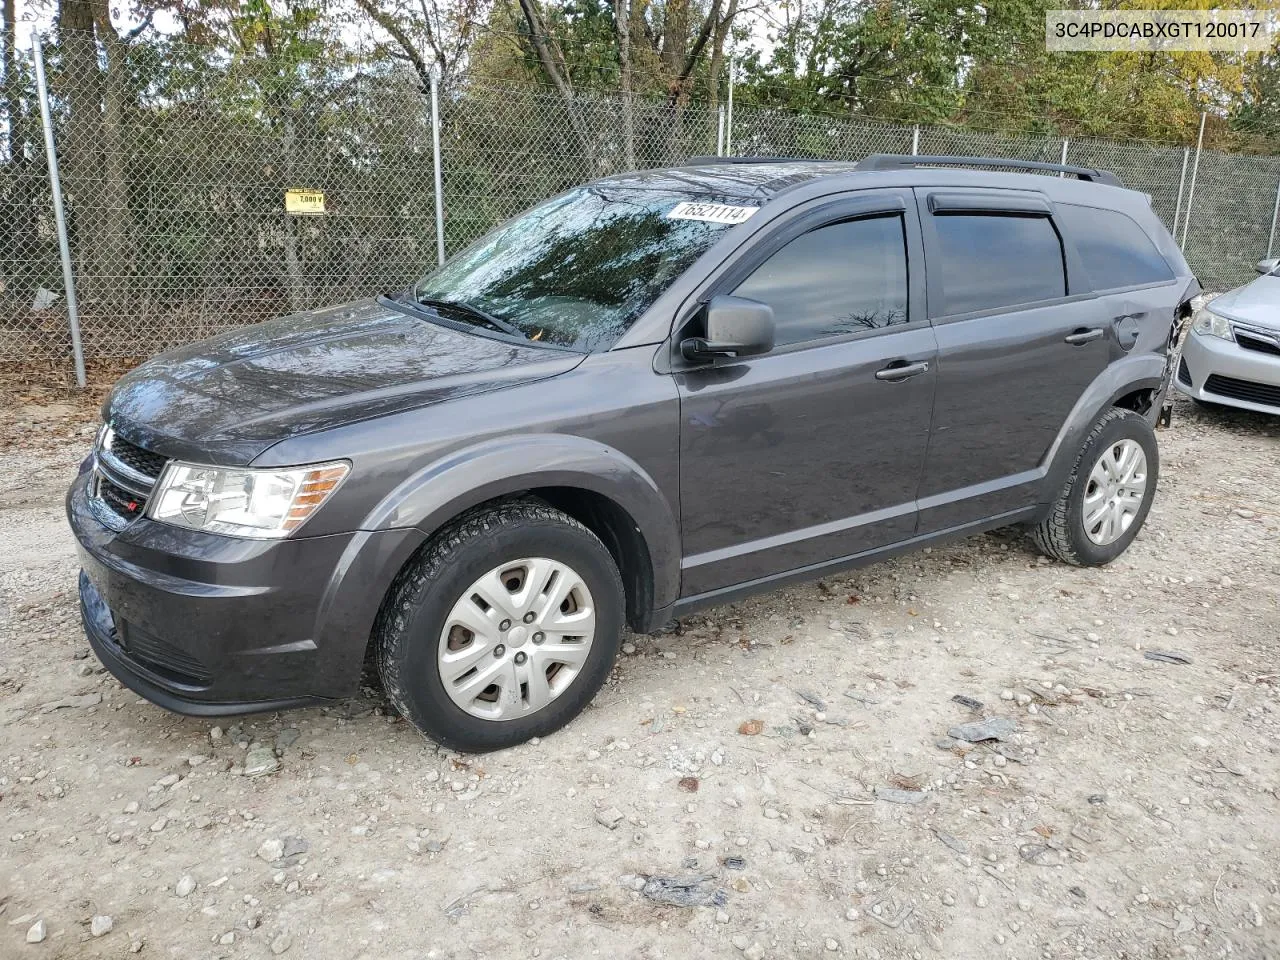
783, 762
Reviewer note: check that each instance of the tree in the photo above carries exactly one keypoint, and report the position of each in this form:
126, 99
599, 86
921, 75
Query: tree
622, 24
92, 76
428, 33
985, 66
902, 59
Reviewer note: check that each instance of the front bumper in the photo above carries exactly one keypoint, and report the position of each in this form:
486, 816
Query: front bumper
1220, 371
209, 625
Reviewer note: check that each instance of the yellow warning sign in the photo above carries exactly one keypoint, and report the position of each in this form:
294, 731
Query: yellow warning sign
304, 203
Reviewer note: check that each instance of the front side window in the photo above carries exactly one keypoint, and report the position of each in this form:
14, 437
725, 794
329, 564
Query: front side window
578, 270
992, 261
838, 279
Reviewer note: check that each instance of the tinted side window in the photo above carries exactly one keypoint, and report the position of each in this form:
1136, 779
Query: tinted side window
991, 261
837, 279
1115, 251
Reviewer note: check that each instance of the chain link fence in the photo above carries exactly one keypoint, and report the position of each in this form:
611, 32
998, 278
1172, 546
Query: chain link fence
503, 150
32, 322
175, 163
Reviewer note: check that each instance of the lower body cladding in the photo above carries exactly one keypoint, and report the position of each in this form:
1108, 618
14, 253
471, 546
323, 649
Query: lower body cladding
210, 625
1215, 370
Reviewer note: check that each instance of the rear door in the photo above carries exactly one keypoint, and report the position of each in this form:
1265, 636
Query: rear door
1020, 337
811, 452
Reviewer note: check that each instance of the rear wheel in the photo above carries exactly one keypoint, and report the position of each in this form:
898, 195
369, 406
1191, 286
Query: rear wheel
1107, 498
503, 628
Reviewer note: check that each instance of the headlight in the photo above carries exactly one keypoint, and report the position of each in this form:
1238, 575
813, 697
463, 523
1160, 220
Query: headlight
1209, 324
242, 502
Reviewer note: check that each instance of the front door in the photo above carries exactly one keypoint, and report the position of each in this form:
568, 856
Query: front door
812, 452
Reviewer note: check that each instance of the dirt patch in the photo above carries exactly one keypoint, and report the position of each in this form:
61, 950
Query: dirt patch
1132, 810
41, 407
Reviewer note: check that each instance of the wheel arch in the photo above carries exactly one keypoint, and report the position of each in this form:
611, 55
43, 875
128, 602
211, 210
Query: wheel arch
601, 487
620, 534
1133, 383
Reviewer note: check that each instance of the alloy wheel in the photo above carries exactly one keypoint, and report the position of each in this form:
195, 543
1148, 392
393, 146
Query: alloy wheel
1115, 492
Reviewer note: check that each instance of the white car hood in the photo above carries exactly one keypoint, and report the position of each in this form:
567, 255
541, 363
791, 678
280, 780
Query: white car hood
1256, 303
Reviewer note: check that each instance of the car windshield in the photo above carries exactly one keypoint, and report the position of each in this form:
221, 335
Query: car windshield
578, 270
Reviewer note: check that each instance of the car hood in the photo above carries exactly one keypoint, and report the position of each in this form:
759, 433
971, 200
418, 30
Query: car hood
226, 399
1256, 303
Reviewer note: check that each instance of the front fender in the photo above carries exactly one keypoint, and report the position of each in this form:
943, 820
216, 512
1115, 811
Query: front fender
1119, 379
501, 466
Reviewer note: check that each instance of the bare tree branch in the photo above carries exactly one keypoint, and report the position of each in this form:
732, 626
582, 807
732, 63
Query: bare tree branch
680, 87
397, 32
538, 37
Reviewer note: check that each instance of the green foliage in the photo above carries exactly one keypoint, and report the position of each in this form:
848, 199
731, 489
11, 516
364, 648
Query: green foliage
985, 66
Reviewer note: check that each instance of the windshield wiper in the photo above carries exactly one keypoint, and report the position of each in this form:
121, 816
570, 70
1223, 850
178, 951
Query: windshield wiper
472, 311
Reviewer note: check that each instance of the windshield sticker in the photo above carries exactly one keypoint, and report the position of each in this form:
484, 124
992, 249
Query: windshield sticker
710, 212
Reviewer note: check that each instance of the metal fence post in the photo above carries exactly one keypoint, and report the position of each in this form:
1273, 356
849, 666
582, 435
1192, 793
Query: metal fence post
1191, 190
728, 119
59, 214
435, 159
915, 141
1182, 182
1066, 141
720, 130
1275, 212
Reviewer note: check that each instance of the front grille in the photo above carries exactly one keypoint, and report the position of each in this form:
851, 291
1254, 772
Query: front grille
1184, 375
1263, 393
132, 455
119, 501
1253, 341
124, 476
161, 657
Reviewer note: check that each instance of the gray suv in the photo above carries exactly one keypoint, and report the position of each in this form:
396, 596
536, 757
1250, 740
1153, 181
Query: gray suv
660, 391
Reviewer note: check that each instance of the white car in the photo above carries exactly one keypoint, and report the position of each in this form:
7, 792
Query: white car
1232, 355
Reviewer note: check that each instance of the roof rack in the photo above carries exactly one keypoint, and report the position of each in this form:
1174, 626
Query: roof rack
897, 161
702, 161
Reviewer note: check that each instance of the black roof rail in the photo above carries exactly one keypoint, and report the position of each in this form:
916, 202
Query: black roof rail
703, 161
898, 161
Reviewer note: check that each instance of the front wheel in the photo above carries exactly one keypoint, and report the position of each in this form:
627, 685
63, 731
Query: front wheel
502, 629
1107, 498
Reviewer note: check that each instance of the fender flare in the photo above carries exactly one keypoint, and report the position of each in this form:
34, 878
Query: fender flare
438, 492
1146, 372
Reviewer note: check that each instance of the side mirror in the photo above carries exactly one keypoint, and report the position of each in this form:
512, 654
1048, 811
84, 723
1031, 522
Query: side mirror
736, 327
1268, 266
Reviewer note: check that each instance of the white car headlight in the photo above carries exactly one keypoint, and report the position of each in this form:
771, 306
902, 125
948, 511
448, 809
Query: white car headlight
1209, 324
263, 503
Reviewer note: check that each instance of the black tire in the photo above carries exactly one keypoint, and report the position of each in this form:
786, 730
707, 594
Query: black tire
1061, 534
408, 628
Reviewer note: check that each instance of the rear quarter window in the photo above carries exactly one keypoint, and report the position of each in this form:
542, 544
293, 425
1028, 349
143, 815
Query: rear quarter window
1115, 251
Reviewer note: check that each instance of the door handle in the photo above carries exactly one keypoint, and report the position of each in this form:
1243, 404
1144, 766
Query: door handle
902, 370
1082, 336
